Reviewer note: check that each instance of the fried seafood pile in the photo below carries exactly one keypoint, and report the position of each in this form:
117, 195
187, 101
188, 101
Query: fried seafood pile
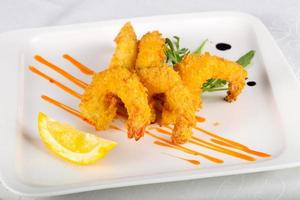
139, 80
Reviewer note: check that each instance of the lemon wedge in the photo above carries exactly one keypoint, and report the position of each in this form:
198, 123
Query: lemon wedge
71, 144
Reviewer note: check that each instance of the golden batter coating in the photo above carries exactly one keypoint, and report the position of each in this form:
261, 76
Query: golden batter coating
195, 70
159, 78
126, 48
99, 102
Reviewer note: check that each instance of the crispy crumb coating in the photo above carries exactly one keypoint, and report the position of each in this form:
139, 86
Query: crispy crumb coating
100, 100
99, 104
126, 48
195, 70
151, 51
159, 78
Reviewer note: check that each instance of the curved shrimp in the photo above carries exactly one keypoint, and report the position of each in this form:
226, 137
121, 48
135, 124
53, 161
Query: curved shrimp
195, 70
159, 78
99, 103
126, 48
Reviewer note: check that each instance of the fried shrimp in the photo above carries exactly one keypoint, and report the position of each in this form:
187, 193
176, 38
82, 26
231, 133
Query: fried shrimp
195, 70
99, 103
126, 49
159, 79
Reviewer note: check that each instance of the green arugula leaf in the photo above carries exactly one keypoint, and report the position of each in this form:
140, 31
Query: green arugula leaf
200, 48
169, 44
245, 60
213, 85
173, 51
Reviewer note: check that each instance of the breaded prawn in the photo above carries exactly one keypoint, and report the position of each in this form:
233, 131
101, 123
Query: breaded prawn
195, 70
126, 48
100, 100
159, 78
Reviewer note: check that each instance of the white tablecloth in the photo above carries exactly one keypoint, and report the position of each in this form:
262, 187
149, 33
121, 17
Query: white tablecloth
282, 17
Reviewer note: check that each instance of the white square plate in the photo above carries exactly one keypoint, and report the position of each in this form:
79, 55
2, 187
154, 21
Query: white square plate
265, 117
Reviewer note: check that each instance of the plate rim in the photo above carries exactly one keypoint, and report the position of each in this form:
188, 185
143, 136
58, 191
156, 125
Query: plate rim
24, 189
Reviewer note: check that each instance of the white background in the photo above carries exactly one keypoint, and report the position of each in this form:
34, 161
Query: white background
282, 17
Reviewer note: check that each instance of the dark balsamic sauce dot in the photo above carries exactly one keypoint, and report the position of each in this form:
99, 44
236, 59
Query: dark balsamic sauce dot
223, 46
251, 83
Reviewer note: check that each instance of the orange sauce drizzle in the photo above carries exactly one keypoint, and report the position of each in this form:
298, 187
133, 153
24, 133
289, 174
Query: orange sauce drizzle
115, 127
169, 144
250, 151
55, 82
228, 143
66, 108
194, 162
84, 69
211, 146
160, 130
221, 143
72, 111
232, 144
200, 119
221, 149
61, 71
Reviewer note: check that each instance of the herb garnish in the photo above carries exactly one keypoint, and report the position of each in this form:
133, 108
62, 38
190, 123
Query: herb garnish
213, 85
201, 47
173, 51
246, 59
175, 54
